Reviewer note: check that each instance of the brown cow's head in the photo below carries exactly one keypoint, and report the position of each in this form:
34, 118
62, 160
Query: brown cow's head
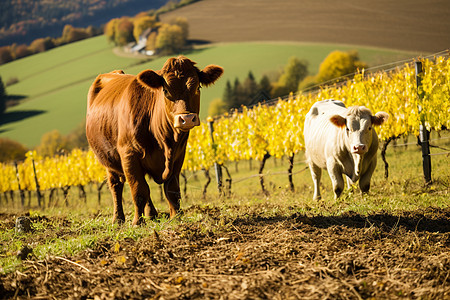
180, 81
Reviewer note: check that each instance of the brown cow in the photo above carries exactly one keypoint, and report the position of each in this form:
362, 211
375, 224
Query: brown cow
138, 125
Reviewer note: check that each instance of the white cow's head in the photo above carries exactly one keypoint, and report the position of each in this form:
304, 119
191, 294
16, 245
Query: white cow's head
358, 123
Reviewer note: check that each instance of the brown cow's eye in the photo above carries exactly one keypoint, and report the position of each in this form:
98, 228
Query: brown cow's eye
166, 93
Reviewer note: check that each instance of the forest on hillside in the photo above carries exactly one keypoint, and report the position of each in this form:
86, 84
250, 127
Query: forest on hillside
24, 20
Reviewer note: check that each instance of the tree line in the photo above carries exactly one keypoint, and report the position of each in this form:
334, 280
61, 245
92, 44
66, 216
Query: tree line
294, 77
25, 16
164, 38
70, 34
22, 19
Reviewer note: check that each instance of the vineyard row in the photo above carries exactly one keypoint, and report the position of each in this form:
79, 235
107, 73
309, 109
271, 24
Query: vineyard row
275, 130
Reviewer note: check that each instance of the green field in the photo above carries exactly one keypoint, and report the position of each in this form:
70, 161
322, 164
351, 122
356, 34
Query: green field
55, 83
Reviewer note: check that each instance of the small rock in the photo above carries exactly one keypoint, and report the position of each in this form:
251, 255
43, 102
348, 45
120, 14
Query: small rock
23, 224
24, 252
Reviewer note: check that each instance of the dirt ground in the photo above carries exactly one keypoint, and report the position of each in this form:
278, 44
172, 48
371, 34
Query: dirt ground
254, 255
406, 25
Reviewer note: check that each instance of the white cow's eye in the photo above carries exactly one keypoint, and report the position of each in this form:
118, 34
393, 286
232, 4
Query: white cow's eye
370, 128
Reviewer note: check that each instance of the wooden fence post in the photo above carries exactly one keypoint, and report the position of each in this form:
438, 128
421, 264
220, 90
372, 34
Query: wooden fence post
38, 191
424, 134
22, 194
217, 167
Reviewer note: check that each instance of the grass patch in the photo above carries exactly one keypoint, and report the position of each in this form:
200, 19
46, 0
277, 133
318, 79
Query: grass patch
68, 231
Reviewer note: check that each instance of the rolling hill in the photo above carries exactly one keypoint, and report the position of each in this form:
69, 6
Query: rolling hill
55, 83
412, 25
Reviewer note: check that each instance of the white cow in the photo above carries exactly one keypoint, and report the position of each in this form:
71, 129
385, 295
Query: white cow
343, 141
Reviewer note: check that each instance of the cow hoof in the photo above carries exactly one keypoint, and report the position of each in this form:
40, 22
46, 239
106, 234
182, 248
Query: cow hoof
138, 221
118, 220
337, 192
176, 213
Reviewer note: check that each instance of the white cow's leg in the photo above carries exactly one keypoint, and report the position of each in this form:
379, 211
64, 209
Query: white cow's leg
316, 174
364, 181
336, 178
349, 182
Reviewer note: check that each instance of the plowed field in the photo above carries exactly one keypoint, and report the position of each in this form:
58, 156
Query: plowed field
405, 25
261, 252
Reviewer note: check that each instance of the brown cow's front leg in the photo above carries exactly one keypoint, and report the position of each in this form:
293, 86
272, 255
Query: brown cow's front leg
173, 195
116, 182
140, 191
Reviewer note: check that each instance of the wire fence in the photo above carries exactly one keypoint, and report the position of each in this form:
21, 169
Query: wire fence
342, 80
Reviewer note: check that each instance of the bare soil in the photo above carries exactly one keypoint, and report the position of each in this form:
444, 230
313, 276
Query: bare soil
253, 255
411, 25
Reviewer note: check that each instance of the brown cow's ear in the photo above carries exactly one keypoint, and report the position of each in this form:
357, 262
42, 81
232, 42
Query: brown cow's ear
210, 74
379, 118
338, 120
150, 78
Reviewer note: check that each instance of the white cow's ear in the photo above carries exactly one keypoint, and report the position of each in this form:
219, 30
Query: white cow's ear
150, 78
379, 118
338, 120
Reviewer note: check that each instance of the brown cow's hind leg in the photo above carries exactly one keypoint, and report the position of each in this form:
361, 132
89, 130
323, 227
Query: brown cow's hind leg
140, 191
150, 210
116, 182
173, 195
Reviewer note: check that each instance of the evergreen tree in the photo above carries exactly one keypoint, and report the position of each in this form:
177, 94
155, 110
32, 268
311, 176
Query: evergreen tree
264, 84
238, 95
228, 95
2, 97
250, 89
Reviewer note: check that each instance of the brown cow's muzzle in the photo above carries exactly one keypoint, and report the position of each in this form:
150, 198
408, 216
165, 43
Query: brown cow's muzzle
186, 122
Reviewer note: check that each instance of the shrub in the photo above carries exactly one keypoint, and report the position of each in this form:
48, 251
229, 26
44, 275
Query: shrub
217, 107
294, 72
183, 23
5, 55
141, 24
170, 39
11, 81
52, 143
71, 34
307, 82
124, 32
11, 150
338, 64
22, 51
110, 30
